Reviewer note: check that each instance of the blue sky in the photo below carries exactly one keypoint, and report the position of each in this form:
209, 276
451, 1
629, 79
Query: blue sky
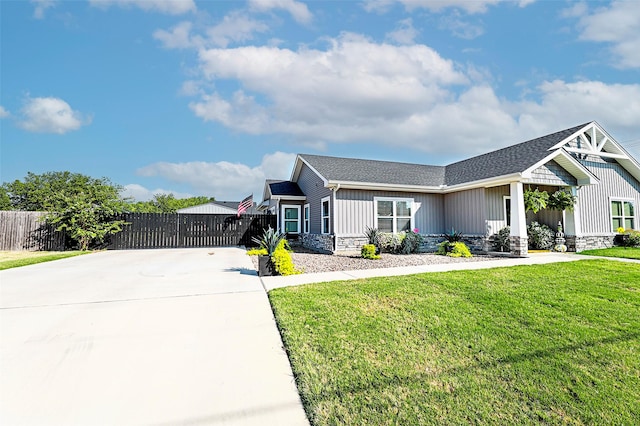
212, 97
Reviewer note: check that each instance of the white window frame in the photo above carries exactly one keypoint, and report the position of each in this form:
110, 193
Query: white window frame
306, 218
323, 217
394, 216
623, 200
282, 219
507, 215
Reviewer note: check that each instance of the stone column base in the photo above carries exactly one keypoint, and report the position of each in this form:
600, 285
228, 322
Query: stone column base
519, 246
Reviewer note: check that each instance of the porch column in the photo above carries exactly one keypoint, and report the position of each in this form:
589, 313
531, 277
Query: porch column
518, 235
572, 226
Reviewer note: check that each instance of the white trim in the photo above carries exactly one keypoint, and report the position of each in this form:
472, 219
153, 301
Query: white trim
295, 173
323, 231
623, 200
282, 219
289, 197
306, 218
394, 214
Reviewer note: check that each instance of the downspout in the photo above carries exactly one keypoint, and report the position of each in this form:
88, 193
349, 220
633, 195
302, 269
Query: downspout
333, 216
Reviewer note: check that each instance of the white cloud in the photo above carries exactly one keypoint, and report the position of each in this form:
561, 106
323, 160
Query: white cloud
4, 113
617, 25
461, 28
224, 180
41, 7
298, 10
179, 37
615, 105
469, 6
140, 193
169, 7
234, 27
405, 33
50, 115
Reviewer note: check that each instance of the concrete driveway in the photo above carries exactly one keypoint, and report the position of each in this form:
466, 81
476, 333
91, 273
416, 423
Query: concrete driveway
145, 337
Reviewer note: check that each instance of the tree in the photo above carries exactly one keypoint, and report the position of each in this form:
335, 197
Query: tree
166, 203
84, 207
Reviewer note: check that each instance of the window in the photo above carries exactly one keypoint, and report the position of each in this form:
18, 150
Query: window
306, 219
291, 219
622, 214
507, 209
325, 215
394, 214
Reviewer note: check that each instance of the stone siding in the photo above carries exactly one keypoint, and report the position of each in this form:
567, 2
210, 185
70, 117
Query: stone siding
476, 243
319, 242
519, 246
589, 242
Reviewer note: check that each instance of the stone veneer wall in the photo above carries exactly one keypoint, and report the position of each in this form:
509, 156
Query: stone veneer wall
322, 243
588, 242
429, 242
476, 243
519, 246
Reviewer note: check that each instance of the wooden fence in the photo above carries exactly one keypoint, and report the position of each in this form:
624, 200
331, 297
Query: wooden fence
26, 231
160, 230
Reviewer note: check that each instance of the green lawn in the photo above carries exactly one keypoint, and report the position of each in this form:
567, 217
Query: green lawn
551, 344
14, 259
624, 252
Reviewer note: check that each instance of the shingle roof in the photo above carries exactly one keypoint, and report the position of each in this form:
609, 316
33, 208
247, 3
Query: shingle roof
505, 161
375, 171
284, 188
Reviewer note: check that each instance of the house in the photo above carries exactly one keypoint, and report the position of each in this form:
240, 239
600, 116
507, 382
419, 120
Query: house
219, 207
329, 202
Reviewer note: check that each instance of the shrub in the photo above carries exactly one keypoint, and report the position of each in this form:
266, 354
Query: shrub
257, 252
540, 236
631, 238
282, 261
456, 249
411, 242
634, 239
459, 249
502, 239
368, 251
391, 243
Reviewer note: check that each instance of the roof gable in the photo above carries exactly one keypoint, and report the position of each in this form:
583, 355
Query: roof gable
506, 161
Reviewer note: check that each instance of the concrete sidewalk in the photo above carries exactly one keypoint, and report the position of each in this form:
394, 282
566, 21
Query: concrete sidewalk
533, 259
143, 337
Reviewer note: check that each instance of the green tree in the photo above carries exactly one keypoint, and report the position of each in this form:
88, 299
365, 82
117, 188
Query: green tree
166, 203
82, 206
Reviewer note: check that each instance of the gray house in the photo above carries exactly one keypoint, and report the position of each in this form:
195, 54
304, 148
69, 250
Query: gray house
330, 201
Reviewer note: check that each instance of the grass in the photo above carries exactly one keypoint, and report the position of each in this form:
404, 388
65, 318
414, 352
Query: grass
14, 259
551, 344
624, 252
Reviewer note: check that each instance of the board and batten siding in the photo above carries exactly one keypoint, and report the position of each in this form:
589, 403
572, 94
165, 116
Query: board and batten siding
594, 200
494, 208
355, 211
465, 211
313, 187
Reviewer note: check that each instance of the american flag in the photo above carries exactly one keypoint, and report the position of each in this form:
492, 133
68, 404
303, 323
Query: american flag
245, 204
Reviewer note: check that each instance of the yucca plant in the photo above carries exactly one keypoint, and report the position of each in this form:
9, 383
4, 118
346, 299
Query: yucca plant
269, 240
